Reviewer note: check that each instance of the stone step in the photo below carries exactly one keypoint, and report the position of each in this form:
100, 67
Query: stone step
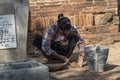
24, 70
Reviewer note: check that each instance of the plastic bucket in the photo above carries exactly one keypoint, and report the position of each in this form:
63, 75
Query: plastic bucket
96, 57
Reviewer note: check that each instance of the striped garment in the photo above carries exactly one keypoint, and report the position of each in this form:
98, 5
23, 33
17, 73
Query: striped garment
52, 34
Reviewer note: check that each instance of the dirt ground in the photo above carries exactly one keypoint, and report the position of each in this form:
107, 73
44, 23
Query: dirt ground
112, 68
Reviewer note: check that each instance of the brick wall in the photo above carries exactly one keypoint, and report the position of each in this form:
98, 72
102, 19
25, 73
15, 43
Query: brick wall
92, 17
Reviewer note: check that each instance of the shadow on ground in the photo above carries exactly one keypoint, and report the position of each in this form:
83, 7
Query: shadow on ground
84, 74
109, 67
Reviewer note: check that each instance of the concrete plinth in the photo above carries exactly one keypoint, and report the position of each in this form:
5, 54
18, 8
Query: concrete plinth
25, 70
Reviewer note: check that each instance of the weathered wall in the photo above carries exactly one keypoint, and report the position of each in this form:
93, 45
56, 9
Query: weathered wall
97, 20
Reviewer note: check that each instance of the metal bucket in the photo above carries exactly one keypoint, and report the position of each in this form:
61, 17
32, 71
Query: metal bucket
96, 57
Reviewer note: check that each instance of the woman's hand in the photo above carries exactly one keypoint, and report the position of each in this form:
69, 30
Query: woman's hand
64, 58
61, 57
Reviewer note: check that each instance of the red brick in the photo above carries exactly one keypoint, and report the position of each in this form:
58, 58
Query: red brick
100, 3
41, 0
100, 0
111, 1
34, 8
66, 6
80, 1
98, 9
82, 20
88, 10
89, 19
32, 0
114, 29
33, 4
46, 8
112, 5
88, 0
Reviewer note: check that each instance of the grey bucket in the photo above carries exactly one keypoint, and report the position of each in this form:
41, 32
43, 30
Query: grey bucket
96, 57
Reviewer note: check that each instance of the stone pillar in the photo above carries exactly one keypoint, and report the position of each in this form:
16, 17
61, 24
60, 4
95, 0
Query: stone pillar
13, 30
13, 44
